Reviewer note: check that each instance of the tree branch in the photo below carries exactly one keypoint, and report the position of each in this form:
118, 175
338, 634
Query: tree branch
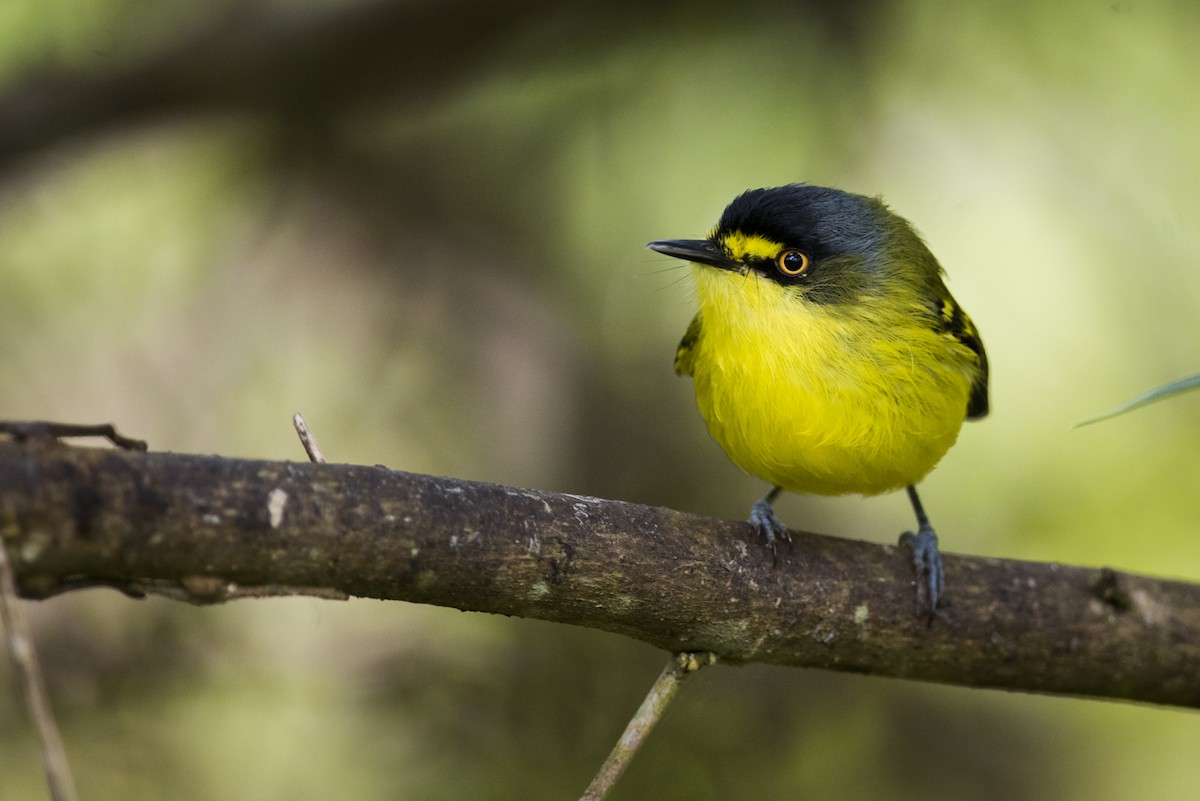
206, 530
303, 68
299, 68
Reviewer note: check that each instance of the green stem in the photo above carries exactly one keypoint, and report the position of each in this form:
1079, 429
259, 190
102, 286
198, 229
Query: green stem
644, 720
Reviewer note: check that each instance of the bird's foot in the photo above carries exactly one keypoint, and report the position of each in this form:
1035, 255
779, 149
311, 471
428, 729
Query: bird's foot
769, 527
927, 564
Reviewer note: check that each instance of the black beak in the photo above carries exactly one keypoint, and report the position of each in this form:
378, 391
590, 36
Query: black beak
700, 251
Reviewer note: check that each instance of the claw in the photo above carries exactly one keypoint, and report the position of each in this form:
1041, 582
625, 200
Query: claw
927, 564
768, 526
927, 560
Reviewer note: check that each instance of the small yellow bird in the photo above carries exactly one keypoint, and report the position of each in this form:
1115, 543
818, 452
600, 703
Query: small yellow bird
827, 354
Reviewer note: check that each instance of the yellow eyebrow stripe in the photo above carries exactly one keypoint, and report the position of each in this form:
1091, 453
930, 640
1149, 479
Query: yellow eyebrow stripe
744, 247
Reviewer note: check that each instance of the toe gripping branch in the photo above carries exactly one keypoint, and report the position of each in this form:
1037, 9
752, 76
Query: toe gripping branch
927, 559
768, 525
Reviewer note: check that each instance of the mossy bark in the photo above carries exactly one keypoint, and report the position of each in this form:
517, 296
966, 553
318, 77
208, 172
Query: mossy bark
207, 529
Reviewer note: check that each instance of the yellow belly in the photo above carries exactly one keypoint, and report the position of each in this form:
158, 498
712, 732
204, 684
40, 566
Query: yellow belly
815, 400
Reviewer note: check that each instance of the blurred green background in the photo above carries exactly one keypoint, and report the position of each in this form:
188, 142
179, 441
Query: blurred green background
436, 254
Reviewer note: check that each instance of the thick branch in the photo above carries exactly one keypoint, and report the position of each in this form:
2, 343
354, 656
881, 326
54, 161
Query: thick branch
207, 529
303, 68
299, 67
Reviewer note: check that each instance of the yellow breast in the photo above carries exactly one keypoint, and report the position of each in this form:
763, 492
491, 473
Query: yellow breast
828, 399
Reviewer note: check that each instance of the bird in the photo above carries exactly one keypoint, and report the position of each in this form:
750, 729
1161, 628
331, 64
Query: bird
827, 354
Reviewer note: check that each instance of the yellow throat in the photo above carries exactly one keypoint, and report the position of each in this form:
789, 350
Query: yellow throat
830, 399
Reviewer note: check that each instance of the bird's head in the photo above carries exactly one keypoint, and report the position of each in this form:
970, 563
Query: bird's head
823, 245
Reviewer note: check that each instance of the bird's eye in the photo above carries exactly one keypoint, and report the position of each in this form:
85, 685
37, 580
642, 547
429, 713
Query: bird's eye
792, 262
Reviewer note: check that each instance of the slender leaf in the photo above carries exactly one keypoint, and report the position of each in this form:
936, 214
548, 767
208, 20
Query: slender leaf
1153, 396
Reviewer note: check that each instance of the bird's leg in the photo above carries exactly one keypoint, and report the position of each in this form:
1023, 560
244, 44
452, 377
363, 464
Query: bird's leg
927, 560
762, 517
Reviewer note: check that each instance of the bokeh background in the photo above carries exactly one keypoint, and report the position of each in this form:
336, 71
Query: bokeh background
422, 224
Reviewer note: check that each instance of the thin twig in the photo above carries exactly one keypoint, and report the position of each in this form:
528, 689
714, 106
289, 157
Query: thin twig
43, 430
20, 646
643, 721
308, 439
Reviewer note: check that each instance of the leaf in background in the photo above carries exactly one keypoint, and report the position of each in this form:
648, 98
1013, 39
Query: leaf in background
1165, 391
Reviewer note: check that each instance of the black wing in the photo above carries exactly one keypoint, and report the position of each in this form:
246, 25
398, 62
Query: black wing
686, 352
957, 324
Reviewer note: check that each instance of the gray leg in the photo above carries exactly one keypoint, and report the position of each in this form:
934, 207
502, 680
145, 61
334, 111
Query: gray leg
927, 560
762, 517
